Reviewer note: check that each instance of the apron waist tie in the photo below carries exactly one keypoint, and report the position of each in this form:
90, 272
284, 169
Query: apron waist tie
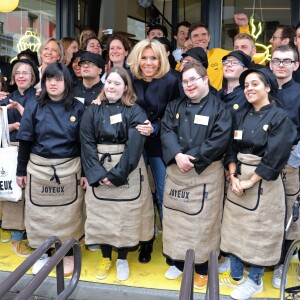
54, 175
104, 156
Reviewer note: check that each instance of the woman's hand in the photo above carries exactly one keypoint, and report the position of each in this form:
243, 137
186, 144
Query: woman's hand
3, 95
83, 183
97, 101
105, 181
21, 181
183, 162
16, 105
146, 128
13, 126
246, 184
236, 185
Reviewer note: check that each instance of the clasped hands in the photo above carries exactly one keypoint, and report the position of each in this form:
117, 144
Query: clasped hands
239, 186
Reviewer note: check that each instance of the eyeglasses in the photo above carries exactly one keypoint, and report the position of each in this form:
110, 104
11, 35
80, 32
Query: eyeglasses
86, 63
228, 62
191, 81
285, 62
274, 37
24, 73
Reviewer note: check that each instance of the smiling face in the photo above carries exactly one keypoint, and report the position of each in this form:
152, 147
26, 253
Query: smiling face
117, 53
55, 88
149, 64
114, 87
256, 91
23, 77
94, 46
50, 53
76, 67
181, 36
233, 71
194, 86
200, 38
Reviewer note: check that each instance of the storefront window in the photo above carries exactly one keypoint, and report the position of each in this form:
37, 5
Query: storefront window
26, 27
267, 14
189, 10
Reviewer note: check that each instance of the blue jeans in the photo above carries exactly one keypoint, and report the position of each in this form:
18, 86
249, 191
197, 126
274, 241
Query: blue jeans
158, 168
237, 268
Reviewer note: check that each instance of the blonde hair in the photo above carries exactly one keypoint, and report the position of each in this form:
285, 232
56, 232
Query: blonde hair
135, 57
60, 47
129, 96
14, 70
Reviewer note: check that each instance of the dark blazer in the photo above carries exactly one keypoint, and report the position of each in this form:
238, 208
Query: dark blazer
154, 101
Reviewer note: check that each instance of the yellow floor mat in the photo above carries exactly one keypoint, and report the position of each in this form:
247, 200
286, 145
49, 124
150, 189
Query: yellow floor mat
149, 275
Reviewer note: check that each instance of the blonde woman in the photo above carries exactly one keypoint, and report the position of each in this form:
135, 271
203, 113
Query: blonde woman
154, 86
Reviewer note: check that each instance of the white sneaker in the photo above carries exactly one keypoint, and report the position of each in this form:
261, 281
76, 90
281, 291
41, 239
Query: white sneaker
277, 274
40, 263
173, 273
225, 265
122, 269
94, 247
246, 290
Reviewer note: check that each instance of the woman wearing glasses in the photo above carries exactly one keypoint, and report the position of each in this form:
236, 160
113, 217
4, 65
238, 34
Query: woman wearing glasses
253, 225
25, 75
195, 133
154, 86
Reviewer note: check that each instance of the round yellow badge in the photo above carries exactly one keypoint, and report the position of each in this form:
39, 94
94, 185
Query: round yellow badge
235, 106
72, 119
177, 116
265, 127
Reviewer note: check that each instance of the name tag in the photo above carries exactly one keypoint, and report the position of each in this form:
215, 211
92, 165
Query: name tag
238, 134
80, 99
201, 120
116, 119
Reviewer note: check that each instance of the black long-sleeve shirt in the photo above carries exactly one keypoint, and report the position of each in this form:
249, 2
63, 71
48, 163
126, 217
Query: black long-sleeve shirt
96, 128
199, 129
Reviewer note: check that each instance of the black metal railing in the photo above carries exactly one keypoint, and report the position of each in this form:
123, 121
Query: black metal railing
55, 261
213, 288
187, 283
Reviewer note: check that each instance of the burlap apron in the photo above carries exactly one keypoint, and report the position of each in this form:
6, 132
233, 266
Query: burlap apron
253, 224
119, 216
13, 212
192, 212
292, 189
54, 199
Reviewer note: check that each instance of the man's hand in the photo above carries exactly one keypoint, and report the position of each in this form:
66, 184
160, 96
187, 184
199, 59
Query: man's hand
241, 20
183, 162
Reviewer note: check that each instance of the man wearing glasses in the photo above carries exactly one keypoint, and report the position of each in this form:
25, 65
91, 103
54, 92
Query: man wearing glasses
283, 63
92, 67
283, 35
195, 133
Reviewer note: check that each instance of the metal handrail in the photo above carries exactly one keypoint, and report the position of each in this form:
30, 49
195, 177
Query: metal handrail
55, 261
213, 288
187, 282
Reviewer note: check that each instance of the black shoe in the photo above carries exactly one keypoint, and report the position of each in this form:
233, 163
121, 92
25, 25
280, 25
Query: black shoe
145, 252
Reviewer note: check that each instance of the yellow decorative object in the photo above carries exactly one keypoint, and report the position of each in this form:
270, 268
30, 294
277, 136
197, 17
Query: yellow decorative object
8, 5
265, 127
235, 106
72, 119
28, 41
264, 54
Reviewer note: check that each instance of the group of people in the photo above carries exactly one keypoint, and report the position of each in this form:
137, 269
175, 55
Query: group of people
219, 137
